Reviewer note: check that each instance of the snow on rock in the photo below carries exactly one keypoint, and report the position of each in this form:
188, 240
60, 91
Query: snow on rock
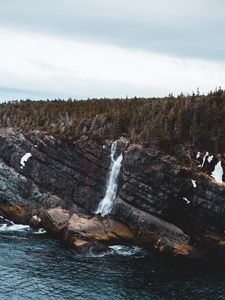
210, 158
198, 155
194, 183
217, 174
203, 161
24, 159
186, 199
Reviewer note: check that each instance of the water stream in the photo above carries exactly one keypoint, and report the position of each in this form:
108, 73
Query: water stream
106, 204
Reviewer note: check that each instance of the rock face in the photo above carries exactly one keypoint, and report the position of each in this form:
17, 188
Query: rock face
157, 204
75, 173
153, 198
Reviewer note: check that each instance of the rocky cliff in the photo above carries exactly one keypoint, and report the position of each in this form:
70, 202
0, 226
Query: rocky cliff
161, 204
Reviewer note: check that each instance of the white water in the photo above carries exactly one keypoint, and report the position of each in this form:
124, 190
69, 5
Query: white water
126, 250
40, 231
14, 227
106, 204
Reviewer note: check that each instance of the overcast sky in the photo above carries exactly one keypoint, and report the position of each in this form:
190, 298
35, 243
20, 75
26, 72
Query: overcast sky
119, 48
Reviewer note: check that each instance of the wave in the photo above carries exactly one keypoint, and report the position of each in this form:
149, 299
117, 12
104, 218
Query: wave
127, 250
13, 227
120, 250
40, 231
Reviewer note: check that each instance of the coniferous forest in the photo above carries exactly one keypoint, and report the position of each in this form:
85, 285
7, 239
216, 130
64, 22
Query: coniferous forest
197, 120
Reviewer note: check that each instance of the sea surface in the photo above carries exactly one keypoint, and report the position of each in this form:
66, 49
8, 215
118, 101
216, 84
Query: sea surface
34, 266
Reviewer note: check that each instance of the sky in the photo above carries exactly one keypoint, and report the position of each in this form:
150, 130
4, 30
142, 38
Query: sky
120, 48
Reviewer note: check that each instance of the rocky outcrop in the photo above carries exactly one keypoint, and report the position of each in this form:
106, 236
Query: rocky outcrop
83, 232
73, 172
158, 193
157, 205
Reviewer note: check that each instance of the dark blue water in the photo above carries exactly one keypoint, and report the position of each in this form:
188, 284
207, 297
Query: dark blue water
33, 266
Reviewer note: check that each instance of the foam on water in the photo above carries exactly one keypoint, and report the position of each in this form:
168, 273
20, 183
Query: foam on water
40, 231
14, 227
126, 250
119, 250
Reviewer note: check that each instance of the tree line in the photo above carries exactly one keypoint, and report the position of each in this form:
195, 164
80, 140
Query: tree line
198, 120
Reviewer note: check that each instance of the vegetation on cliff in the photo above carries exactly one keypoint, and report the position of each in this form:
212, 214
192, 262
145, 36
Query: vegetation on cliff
198, 120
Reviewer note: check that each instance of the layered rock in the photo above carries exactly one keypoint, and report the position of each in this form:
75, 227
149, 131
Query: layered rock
83, 232
157, 202
73, 172
158, 193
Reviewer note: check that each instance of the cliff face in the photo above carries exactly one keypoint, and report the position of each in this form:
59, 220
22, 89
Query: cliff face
157, 204
73, 175
159, 199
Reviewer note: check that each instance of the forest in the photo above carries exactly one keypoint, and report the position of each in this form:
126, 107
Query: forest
196, 120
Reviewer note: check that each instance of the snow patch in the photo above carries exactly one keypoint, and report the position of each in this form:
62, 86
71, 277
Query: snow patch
194, 183
217, 174
210, 158
198, 154
186, 199
203, 161
24, 159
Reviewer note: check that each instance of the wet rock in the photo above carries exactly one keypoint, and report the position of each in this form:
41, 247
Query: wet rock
35, 221
84, 232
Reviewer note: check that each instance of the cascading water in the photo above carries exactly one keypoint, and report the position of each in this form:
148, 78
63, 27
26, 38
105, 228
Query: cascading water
106, 204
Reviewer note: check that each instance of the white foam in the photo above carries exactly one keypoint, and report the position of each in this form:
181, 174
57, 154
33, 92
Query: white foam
6, 220
40, 231
24, 159
217, 174
126, 250
14, 227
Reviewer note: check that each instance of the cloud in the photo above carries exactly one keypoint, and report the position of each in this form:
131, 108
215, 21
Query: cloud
184, 28
43, 66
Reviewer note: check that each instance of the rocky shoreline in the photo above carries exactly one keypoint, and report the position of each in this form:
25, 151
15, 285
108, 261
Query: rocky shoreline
157, 205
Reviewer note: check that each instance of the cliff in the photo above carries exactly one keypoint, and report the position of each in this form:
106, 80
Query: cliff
157, 204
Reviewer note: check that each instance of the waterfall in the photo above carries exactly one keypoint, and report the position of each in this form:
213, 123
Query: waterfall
106, 204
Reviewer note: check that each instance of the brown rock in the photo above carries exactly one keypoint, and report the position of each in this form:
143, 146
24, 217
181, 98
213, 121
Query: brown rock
95, 229
56, 220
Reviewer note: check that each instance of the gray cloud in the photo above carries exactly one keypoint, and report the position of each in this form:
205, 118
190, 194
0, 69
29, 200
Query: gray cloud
184, 28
